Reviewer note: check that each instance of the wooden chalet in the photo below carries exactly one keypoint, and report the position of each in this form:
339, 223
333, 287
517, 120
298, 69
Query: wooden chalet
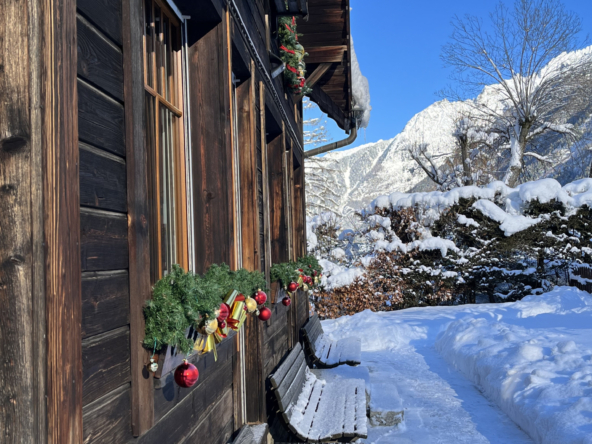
135, 134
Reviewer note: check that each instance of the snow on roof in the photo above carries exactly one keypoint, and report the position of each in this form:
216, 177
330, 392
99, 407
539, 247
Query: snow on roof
360, 90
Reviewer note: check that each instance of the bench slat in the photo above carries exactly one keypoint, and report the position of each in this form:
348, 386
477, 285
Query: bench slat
280, 374
330, 415
349, 427
316, 328
245, 436
291, 375
301, 421
361, 424
285, 398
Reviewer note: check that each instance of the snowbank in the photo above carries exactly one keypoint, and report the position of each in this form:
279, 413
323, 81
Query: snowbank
496, 200
533, 358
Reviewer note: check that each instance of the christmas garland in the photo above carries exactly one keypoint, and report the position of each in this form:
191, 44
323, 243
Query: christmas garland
305, 273
183, 299
292, 53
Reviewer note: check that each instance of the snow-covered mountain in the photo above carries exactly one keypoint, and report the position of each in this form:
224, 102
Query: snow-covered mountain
359, 175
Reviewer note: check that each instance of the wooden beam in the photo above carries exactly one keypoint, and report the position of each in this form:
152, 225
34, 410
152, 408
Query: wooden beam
317, 74
325, 54
61, 198
142, 392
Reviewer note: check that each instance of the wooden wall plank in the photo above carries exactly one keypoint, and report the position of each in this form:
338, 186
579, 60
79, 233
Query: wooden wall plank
212, 151
105, 363
138, 212
278, 230
299, 207
168, 395
108, 419
217, 425
193, 409
105, 14
22, 266
62, 221
105, 301
248, 171
253, 370
103, 240
100, 120
99, 61
103, 183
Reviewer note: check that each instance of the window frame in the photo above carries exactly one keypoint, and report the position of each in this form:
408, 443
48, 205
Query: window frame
164, 84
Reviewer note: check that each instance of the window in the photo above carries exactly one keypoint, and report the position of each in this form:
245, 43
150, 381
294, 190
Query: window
165, 138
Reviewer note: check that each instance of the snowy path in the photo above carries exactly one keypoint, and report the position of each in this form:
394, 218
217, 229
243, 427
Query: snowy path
527, 363
441, 406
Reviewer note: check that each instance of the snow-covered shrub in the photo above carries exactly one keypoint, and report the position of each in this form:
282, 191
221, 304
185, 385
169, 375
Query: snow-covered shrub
494, 243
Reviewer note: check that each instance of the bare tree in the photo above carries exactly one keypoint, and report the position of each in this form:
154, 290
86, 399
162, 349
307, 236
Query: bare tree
514, 54
470, 161
315, 130
321, 186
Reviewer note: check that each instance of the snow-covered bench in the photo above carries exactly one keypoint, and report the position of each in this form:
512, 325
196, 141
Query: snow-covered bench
316, 410
326, 353
252, 434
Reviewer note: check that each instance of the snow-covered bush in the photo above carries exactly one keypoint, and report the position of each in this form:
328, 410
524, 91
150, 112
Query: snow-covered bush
472, 243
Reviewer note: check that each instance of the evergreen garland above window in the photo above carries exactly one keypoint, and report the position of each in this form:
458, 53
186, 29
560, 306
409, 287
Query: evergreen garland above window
292, 53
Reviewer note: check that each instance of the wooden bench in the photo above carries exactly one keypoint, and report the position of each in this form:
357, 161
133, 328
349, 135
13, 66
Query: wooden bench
252, 434
326, 353
316, 410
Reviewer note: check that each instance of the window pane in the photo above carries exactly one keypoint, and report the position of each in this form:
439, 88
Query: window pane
167, 190
158, 49
150, 138
149, 43
166, 50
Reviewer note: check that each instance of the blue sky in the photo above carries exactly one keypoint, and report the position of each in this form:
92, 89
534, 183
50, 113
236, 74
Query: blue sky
398, 46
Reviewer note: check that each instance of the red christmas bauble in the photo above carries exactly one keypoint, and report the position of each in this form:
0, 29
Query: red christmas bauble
314, 272
292, 287
265, 314
186, 375
300, 270
286, 301
224, 312
221, 324
260, 297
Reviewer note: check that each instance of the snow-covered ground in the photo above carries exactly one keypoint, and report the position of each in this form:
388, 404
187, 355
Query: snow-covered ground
494, 373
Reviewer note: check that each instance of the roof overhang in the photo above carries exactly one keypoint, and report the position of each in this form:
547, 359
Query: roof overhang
326, 39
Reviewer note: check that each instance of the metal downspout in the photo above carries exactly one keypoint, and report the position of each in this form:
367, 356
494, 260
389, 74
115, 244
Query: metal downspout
334, 145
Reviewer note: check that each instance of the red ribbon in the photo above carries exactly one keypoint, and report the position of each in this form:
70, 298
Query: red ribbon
283, 48
294, 70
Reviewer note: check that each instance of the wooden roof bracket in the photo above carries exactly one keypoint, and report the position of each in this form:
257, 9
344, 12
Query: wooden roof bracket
314, 78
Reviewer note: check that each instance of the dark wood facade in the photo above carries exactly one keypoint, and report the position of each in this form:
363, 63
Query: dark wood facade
75, 225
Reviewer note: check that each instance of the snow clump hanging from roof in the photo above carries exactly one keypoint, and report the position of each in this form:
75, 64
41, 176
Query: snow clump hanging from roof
360, 91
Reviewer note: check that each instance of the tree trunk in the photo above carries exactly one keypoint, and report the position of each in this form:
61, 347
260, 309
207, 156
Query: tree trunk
466, 162
517, 152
